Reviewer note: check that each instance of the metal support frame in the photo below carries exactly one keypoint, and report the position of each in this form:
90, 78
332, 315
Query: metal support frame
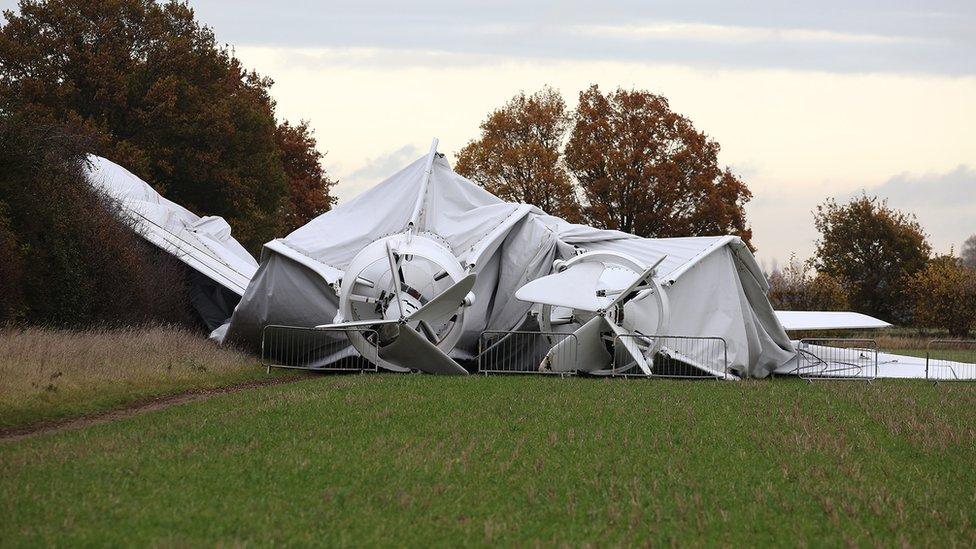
315, 349
960, 367
524, 352
674, 357
413, 226
837, 359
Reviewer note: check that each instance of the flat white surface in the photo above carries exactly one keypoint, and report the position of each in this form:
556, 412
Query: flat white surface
573, 288
828, 320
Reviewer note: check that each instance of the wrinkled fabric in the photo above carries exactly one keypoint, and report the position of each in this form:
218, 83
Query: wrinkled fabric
203, 243
714, 284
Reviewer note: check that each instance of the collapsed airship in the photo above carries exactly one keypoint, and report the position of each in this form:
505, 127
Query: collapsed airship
379, 260
417, 272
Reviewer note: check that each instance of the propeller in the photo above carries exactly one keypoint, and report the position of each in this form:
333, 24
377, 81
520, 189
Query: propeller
616, 294
409, 341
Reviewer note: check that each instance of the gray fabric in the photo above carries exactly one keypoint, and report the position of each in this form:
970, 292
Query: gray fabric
714, 283
282, 292
210, 300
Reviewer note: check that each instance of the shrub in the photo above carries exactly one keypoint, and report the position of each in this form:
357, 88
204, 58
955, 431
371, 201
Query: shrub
945, 296
874, 250
68, 259
796, 289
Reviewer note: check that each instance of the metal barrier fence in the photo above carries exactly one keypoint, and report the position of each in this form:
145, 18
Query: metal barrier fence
838, 359
950, 360
518, 352
321, 350
680, 357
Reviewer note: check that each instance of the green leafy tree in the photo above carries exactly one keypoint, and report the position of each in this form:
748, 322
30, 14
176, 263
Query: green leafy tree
164, 100
874, 250
66, 258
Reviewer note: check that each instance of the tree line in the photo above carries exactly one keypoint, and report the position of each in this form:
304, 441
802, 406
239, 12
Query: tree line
876, 260
145, 85
149, 87
624, 160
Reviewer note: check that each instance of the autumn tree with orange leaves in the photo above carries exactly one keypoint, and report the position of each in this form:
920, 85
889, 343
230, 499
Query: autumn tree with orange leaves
622, 161
518, 155
308, 184
159, 95
646, 170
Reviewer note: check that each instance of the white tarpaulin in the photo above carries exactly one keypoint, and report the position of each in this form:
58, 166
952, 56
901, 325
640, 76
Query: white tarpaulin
714, 283
203, 243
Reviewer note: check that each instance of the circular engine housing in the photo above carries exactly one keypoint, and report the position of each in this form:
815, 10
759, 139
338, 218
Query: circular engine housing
368, 289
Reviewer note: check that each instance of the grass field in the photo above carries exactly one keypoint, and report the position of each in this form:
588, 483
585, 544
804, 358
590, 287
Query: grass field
422, 460
48, 375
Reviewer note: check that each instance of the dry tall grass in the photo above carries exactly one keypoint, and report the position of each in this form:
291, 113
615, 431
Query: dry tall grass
46, 374
894, 339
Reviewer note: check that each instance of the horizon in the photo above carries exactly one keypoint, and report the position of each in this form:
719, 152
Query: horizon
807, 103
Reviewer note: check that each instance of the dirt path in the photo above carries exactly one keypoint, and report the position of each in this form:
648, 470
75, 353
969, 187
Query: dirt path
137, 408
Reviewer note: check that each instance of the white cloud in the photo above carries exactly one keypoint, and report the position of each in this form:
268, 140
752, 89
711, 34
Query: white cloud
374, 170
945, 203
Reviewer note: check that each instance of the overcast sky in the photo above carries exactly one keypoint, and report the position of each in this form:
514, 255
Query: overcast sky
808, 100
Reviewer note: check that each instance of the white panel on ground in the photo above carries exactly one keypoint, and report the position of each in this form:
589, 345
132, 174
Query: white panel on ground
828, 320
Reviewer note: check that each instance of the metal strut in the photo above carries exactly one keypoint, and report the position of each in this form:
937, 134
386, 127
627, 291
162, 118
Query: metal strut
413, 224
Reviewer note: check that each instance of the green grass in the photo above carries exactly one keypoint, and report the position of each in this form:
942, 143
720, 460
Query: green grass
422, 460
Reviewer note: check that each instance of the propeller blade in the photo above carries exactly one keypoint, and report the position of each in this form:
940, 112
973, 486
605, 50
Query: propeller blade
630, 344
395, 273
411, 350
648, 273
590, 353
442, 307
574, 288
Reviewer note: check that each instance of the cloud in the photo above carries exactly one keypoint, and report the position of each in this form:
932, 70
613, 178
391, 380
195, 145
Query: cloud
375, 170
732, 34
830, 35
387, 164
849, 36
953, 189
945, 203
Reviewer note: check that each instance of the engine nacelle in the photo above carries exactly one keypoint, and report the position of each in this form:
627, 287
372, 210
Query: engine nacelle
424, 269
